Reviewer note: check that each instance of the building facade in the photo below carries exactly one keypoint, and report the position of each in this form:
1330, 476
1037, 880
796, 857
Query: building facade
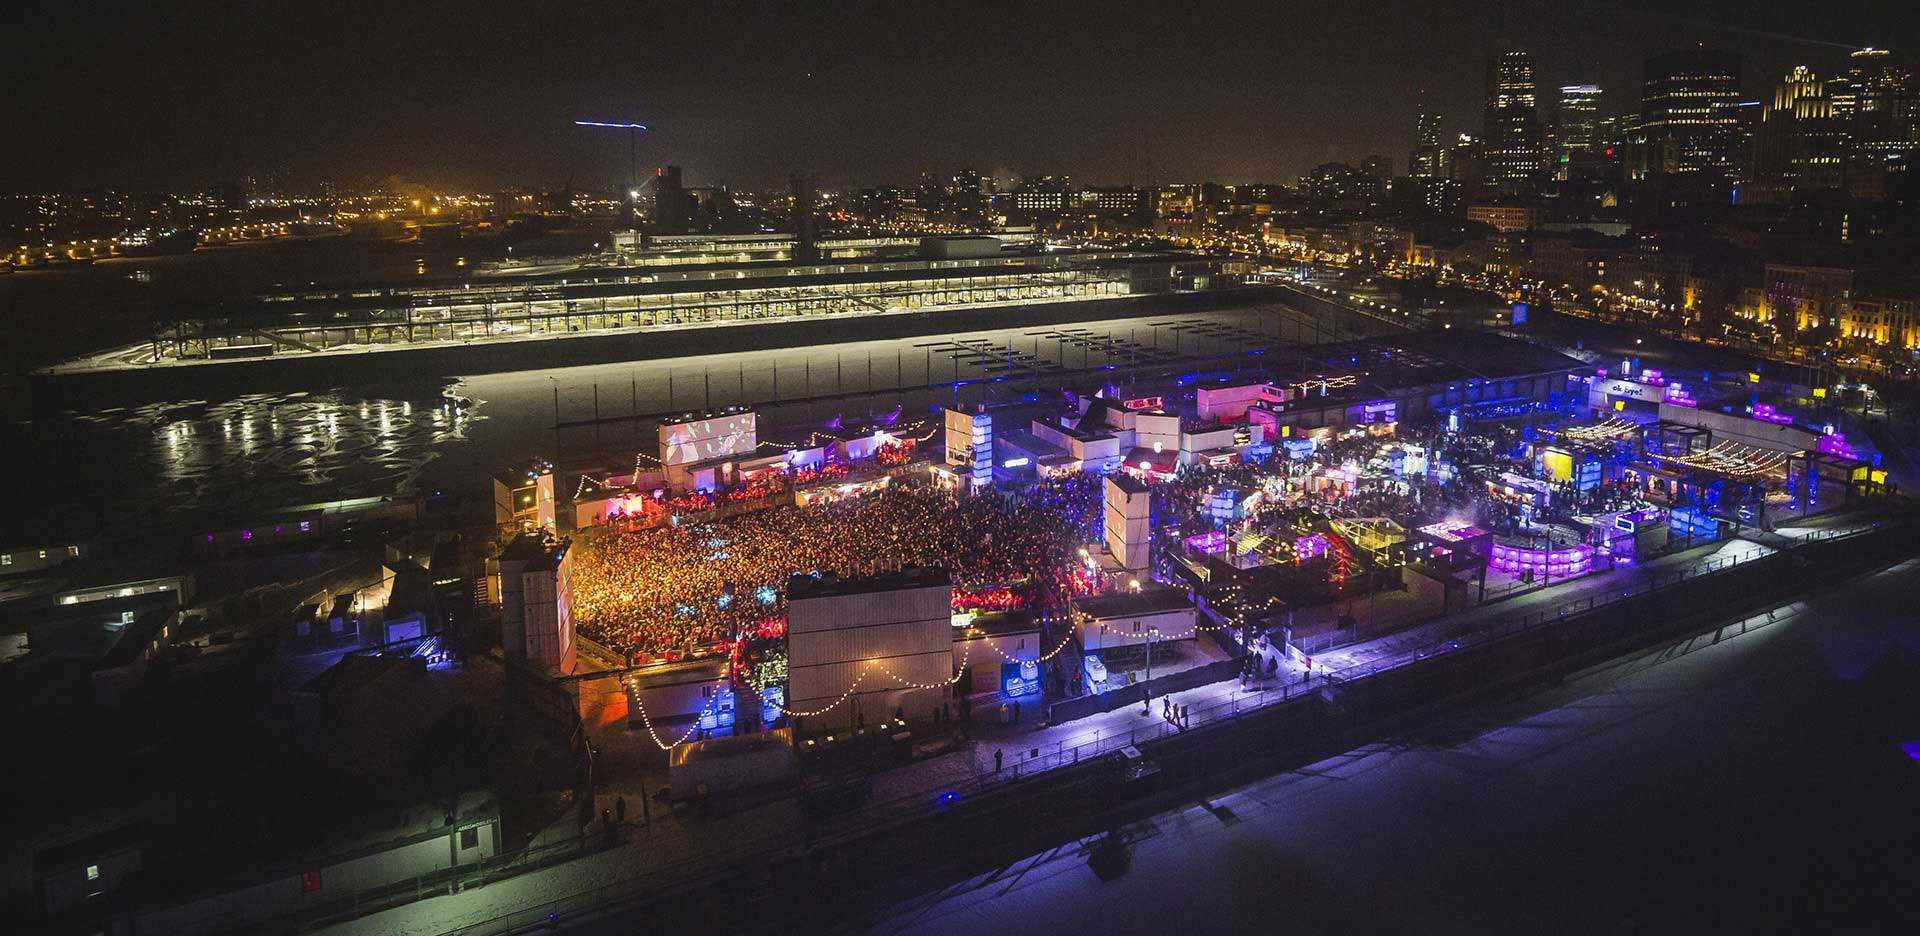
536, 603
862, 650
1514, 151
1689, 113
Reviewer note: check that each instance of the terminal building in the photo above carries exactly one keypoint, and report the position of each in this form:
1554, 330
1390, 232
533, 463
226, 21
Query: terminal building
671, 293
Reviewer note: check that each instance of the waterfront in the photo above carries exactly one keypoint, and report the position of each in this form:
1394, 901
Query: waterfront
1721, 784
187, 458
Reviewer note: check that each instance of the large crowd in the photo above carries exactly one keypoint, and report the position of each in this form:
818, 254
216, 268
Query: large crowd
689, 588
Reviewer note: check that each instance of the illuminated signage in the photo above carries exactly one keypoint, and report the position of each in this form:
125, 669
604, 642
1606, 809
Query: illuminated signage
1152, 402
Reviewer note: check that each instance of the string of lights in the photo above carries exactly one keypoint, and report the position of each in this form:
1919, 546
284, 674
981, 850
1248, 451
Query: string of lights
965, 652
844, 696
633, 693
1010, 658
1729, 458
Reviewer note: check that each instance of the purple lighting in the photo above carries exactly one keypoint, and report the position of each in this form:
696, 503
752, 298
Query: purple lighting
1835, 443
1546, 563
1208, 544
1677, 395
1766, 413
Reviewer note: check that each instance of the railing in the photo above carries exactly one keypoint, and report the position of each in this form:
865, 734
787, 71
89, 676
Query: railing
1509, 625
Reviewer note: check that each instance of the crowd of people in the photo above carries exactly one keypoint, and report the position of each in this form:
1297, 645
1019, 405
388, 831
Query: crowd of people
692, 588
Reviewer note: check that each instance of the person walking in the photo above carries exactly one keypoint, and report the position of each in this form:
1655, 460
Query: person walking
997, 755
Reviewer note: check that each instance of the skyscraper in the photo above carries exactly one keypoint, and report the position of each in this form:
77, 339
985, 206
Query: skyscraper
1424, 160
1514, 157
1800, 141
1689, 113
1878, 102
1575, 125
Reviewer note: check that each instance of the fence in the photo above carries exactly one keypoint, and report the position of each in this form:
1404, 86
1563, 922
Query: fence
1094, 703
1664, 585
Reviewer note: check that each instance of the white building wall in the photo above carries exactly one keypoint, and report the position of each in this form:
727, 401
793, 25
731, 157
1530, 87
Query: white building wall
1135, 629
1127, 525
1149, 428
871, 641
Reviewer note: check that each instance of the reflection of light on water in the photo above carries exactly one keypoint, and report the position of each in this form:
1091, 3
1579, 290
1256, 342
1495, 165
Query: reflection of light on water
280, 454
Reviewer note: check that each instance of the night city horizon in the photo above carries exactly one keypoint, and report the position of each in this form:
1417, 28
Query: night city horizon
885, 468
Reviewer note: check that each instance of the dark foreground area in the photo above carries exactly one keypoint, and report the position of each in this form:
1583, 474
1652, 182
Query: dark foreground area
1747, 781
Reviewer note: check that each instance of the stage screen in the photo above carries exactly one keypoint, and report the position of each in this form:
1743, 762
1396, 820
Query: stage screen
703, 439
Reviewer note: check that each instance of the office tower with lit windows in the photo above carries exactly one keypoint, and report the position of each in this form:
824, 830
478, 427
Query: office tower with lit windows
1465, 162
1801, 143
1426, 158
1877, 101
1514, 151
1576, 123
1689, 113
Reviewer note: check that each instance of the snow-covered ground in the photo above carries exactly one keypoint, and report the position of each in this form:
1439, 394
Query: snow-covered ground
1737, 782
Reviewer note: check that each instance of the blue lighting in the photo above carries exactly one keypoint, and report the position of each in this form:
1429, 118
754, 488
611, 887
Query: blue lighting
609, 124
766, 595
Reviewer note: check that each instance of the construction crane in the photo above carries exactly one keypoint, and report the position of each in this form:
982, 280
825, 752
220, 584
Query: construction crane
633, 149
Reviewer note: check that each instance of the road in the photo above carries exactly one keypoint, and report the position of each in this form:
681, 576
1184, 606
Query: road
1738, 782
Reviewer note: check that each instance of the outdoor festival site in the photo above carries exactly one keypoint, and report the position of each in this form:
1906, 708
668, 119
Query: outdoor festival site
822, 618
1091, 498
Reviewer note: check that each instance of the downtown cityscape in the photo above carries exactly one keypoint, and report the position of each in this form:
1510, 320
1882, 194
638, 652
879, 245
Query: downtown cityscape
881, 469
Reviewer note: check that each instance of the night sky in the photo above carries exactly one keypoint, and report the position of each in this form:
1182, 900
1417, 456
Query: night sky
482, 94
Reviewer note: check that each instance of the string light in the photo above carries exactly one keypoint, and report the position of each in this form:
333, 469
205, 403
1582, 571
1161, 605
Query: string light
966, 652
822, 711
1010, 658
633, 691
1729, 458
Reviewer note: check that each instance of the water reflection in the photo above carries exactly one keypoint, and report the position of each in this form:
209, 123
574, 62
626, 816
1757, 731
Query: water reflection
271, 449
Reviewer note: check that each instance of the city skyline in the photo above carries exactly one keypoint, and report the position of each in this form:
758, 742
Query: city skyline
854, 95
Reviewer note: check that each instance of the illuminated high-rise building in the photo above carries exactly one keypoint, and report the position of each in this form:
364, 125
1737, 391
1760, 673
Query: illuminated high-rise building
1689, 113
1515, 160
1800, 141
1878, 102
1576, 117
1425, 159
